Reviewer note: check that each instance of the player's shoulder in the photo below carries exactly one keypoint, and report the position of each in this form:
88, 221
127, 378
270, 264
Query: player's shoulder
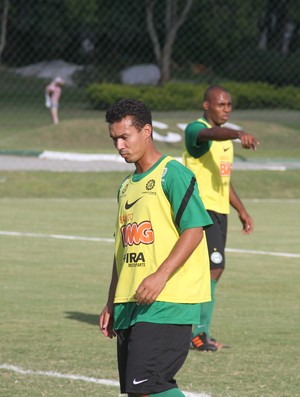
175, 167
121, 186
193, 123
195, 126
125, 179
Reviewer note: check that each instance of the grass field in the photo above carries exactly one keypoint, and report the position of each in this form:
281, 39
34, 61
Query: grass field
56, 251
25, 124
85, 131
52, 290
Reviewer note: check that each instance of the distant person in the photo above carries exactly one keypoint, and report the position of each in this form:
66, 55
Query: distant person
161, 269
52, 96
209, 154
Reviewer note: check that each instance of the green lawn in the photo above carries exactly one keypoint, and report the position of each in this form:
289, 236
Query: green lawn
249, 184
25, 124
85, 131
52, 291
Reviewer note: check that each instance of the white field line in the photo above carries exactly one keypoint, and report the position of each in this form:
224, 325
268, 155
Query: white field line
284, 254
52, 374
59, 375
57, 236
111, 240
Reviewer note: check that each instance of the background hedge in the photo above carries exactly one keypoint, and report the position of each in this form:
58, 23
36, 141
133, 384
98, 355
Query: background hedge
186, 96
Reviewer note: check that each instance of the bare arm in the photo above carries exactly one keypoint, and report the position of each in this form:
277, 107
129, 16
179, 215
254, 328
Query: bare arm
106, 319
237, 204
223, 133
151, 286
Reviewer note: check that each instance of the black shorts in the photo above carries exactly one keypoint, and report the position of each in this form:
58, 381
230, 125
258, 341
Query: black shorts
150, 355
216, 239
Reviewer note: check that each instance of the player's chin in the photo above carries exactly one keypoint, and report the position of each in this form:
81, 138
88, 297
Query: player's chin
128, 160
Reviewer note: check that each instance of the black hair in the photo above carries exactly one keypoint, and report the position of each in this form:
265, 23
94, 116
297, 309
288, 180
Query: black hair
138, 111
207, 94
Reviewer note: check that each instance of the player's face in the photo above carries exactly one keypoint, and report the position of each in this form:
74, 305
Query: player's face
130, 142
218, 108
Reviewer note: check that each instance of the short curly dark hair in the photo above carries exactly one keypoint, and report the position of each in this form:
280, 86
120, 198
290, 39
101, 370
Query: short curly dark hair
138, 111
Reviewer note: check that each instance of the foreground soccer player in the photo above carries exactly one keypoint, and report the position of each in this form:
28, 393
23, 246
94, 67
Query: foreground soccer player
161, 269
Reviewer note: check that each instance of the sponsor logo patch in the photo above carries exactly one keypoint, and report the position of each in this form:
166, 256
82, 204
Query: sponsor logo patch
129, 205
137, 382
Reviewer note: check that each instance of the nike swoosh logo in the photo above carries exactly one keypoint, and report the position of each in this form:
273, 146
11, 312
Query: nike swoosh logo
137, 382
226, 148
129, 205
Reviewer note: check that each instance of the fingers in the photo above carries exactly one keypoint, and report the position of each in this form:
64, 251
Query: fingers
144, 297
103, 324
247, 230
249, 141
252, 144
107, 331
248, 227
106, 325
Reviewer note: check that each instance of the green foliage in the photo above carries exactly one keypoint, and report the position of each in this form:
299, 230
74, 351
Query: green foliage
172, 96
263, 95
181, 96
249, 64
106, 37
103, 95
83, 12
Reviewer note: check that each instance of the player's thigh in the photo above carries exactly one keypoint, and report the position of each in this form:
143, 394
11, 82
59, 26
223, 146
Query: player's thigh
155, 353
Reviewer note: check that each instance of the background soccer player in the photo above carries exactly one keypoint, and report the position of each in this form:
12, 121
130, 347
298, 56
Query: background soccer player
209, 154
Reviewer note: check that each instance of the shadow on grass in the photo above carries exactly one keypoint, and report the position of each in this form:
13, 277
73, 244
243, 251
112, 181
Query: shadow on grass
92, 319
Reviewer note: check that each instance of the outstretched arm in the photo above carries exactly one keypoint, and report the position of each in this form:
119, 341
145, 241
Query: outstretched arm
106, 319
237, 204
151, 286
223, 133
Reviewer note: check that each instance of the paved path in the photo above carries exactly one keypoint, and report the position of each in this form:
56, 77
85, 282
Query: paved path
22, 163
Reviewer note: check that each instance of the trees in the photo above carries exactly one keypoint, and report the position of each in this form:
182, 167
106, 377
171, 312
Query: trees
162, 46
4, 20
244, 40
280, 26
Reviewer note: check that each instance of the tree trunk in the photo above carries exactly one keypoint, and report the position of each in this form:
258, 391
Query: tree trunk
151, 30
276, 29
4, 20
171, 37
163, 53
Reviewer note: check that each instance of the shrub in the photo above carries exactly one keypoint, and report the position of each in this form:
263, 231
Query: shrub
102, 96
186, 96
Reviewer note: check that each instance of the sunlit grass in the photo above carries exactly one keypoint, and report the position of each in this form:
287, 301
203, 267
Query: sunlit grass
54, 289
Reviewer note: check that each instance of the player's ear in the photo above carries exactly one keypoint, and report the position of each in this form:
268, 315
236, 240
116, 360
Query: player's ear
205, 105
147, 130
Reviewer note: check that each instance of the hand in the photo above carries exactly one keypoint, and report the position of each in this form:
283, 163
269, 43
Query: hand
247, 223
248, 141
149, 289
106, 322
